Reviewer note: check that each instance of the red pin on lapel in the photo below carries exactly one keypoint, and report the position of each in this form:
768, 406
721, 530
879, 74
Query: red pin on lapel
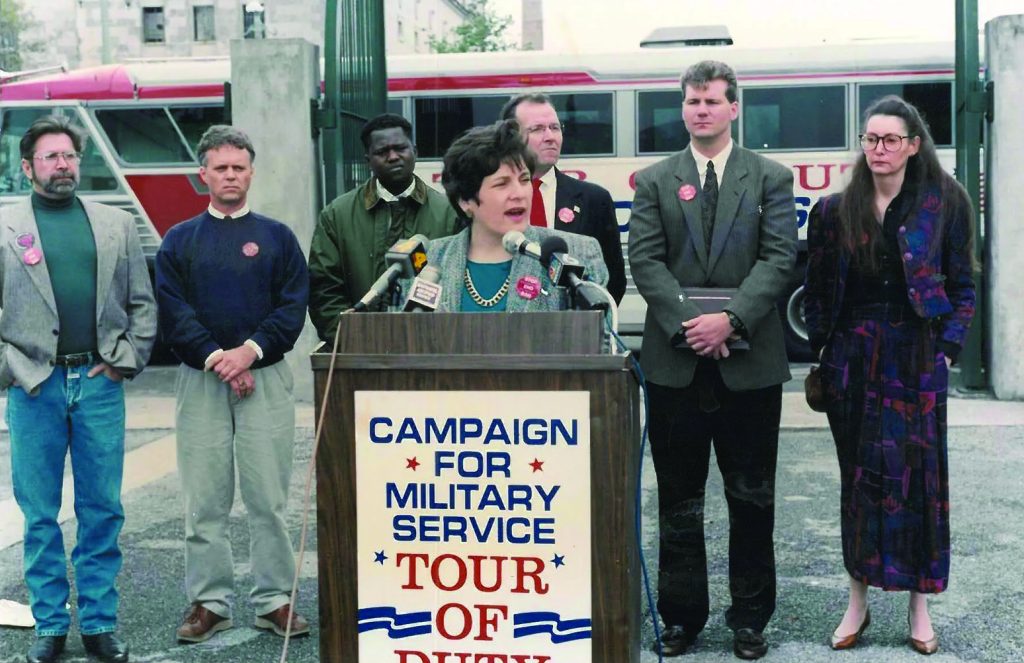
566, 215
687, 192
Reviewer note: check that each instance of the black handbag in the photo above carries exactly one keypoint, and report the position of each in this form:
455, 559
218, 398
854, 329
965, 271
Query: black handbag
814, 390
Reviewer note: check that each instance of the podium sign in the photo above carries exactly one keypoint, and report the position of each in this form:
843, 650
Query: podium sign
473, 526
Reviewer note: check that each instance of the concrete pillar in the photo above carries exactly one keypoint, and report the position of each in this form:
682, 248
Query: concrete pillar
1004, 200
272, 82
533, 25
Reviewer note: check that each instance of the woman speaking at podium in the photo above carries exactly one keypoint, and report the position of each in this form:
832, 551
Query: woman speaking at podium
487, 179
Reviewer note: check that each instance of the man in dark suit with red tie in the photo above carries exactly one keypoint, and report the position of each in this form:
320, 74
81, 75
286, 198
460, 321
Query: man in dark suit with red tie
560, 201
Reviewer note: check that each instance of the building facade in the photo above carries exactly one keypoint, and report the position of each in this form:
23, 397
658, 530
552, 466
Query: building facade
90, 32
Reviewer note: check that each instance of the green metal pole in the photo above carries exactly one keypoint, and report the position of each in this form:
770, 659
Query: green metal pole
970, 108
329, 139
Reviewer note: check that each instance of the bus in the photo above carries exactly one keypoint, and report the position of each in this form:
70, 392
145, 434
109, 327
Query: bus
622, 112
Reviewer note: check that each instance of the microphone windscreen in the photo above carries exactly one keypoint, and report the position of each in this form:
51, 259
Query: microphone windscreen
512, 240
549, 246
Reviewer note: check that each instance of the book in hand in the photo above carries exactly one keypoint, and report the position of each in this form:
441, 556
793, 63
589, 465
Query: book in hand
709, 300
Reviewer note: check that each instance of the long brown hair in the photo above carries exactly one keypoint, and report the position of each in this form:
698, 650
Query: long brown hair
860, 232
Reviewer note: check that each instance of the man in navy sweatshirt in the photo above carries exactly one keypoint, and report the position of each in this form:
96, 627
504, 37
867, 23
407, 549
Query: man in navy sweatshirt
232, 288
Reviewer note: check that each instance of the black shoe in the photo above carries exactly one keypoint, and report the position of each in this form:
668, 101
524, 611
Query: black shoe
675, 640
106, 647
46, 649
749, 644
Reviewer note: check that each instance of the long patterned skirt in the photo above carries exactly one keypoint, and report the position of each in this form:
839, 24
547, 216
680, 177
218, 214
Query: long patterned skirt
886, 382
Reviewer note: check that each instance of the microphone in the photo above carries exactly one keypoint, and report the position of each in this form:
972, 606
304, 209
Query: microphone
425, 293
515, 242
405, 259
568, 272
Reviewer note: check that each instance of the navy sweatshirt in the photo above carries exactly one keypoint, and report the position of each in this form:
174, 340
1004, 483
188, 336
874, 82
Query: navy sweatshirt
222, 281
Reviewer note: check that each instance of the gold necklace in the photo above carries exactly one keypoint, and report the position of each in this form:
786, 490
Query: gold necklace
478, 298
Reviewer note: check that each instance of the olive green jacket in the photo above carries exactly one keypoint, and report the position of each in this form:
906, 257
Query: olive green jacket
352, 235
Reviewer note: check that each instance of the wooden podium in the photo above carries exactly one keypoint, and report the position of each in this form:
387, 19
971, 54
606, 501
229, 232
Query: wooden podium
483, 352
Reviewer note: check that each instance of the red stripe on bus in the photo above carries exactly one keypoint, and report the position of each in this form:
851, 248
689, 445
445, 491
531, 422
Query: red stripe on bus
168, 199
489, 81
483, 82
182, 91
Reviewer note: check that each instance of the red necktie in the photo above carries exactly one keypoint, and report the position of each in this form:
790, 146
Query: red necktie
537, 215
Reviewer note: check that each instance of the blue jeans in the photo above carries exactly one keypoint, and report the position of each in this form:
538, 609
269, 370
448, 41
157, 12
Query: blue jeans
85, 415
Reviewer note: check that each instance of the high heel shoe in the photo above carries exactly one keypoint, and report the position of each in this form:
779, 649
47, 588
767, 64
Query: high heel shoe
923, 647
850, 641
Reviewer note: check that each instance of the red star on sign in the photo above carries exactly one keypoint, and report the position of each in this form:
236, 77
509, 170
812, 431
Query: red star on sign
537, 465
411, 463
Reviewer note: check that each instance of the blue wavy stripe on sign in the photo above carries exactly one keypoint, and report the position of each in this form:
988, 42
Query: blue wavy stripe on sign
551, 623
398, 625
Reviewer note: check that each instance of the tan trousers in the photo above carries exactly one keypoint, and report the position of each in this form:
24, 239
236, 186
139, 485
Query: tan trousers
217, 431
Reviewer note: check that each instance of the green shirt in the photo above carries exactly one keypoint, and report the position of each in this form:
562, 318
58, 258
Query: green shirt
488, 279
69, 251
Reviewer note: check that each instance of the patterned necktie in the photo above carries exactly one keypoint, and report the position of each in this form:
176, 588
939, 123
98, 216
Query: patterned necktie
537, 215
708, 205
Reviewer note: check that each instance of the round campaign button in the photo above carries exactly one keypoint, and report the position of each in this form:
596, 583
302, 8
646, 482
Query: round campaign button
32, 256
528, 287
565, 215
687, 192
250, 249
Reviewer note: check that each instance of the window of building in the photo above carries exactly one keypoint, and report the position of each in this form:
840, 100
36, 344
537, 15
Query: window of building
934, 100
144, 135
153, 25
659, 122
95, 175
396, 106
254, 20
794, 118
202, 23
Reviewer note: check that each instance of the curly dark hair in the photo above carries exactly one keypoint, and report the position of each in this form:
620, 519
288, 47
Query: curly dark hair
384, 121
480, 152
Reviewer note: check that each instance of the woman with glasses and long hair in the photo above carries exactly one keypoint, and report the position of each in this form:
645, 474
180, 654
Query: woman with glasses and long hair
889, 298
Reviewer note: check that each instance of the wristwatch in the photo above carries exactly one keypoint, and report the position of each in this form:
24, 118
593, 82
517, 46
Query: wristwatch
735, 322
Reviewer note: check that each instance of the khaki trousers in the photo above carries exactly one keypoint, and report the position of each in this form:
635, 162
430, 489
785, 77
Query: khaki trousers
216, 431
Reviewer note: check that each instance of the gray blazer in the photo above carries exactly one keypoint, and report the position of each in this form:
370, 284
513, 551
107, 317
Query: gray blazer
125, 310
753, 248
448, 254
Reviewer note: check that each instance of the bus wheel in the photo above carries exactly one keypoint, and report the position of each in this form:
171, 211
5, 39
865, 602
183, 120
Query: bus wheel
795, 327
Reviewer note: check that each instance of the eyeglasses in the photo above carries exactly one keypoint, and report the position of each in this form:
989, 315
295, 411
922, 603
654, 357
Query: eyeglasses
890, 142
554, 127
52, 157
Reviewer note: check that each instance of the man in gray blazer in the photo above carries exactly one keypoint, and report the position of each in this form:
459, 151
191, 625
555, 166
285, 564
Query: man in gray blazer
77, 318
714, 215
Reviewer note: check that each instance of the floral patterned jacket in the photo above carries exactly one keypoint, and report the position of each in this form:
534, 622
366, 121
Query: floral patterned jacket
939, 286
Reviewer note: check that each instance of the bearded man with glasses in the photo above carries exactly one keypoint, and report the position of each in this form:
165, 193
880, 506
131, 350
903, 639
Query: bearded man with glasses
78, 318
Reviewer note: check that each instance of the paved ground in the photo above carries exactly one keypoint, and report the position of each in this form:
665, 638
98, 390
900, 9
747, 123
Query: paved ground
977, 619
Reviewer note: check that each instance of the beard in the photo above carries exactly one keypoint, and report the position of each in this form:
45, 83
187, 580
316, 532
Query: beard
58, 185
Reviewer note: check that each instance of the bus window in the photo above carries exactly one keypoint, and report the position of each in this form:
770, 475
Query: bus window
587, 118
94, 172
659, 122
194, 120
794, 118
396, 107
440, 120
144, 135
934, 100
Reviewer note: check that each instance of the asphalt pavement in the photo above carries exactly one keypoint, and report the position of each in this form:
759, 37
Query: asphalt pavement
977, 619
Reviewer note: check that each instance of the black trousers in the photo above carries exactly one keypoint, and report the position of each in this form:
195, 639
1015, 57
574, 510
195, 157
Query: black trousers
745, 431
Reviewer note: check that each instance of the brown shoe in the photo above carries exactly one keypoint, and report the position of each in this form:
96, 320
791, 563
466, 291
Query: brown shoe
199, 624
277, 622
924, 647
850, 641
